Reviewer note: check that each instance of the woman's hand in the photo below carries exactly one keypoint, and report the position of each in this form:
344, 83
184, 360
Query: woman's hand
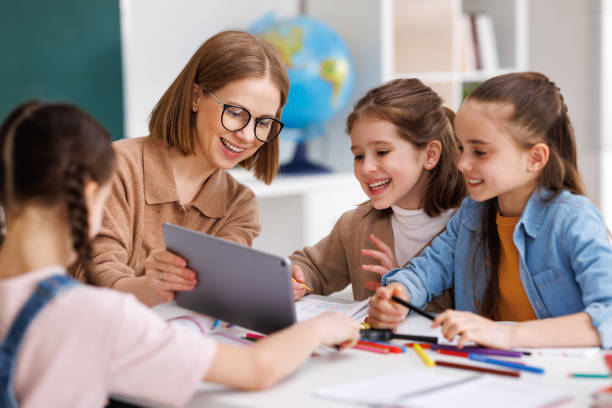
472, 327
338, 329
168, 273
299, 286
384, 313
384, 255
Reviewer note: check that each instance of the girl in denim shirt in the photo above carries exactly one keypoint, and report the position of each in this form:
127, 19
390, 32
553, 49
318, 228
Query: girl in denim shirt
526, 245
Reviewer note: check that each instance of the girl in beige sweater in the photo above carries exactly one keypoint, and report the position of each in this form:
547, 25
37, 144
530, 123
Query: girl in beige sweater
405, 153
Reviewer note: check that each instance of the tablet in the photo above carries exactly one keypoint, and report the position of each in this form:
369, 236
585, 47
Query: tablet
236, 284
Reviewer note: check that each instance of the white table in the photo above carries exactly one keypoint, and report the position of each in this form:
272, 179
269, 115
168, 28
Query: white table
353, 365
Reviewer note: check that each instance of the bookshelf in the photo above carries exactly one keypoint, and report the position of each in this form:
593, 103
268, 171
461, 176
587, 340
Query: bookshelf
428, 41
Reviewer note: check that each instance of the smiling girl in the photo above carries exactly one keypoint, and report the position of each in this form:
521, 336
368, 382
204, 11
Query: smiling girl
405, 153
526, 245
222, 110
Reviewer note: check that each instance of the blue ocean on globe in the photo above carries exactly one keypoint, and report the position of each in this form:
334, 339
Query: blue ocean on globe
320, 67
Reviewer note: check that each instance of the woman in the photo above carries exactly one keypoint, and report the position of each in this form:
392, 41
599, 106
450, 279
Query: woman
221, 111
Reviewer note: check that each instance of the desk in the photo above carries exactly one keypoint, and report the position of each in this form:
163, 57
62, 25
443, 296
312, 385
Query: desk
353, 365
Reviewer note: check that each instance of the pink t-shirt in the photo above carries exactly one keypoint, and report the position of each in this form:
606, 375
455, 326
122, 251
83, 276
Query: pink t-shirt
90, 342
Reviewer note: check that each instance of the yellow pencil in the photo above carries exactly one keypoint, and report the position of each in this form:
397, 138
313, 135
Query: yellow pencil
419, 350
303, 285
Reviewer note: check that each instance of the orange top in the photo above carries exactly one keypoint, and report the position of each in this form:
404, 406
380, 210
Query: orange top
513, 304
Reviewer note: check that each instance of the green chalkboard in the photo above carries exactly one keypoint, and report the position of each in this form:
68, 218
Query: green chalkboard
63, 50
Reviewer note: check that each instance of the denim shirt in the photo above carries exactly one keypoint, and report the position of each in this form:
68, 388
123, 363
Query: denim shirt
565, 260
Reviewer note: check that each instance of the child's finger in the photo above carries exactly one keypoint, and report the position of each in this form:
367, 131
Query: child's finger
378, 269
297, 273
380, 244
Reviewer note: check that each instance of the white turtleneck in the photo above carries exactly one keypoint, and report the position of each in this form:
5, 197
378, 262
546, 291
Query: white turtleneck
413, 229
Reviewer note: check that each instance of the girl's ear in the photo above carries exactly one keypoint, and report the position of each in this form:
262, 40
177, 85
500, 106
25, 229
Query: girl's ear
432, 154
195, 96
537, 156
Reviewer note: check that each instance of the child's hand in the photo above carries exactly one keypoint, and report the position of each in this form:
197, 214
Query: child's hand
338, 329
384, 255
472, 327
299, 287
385, 313
167, 273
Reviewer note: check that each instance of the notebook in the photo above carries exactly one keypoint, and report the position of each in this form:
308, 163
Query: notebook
236, 284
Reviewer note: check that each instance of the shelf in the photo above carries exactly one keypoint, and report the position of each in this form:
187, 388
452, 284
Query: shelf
439, 77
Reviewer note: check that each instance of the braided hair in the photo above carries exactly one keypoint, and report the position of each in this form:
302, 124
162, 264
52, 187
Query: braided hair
49, 152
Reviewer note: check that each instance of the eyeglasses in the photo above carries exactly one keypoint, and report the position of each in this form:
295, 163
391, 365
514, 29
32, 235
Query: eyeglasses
234, 118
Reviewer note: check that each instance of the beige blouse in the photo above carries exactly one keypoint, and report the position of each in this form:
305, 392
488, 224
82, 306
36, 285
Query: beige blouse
144, 196
336, 260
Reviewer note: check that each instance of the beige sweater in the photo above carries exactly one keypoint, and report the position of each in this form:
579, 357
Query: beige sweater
336, 260
144, 196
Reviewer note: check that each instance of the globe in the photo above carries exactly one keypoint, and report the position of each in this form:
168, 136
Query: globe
321, 76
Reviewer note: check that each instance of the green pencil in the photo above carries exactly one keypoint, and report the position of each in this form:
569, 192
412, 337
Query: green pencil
584, 375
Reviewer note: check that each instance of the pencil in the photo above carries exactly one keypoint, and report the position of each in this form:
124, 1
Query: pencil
424, 346
215, 324
484, 359
379, 350
428, 361
303, 285
477, 368
413, 307
585, 375
390, 347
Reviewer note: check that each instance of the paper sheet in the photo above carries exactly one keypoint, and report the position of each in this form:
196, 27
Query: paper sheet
313, 305
421, 389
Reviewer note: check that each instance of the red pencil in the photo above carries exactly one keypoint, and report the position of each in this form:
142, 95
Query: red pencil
423, 345
453, 353
391, 348
254, 336
371, 349
477, 368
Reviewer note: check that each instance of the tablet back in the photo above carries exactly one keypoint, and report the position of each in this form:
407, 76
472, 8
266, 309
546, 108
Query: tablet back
236, 284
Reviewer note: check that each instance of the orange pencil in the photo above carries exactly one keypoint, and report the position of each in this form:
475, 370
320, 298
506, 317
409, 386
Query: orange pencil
392, 349
371, 349
423, 345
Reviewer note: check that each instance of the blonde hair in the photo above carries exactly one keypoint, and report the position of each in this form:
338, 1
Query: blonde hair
225, 57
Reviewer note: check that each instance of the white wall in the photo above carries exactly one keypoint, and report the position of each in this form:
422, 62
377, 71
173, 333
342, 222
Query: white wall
159, 36
564, 43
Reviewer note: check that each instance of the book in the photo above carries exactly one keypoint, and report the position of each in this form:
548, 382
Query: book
313, 305
487, 44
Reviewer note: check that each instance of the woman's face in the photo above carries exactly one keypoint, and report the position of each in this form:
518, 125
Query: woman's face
217, 145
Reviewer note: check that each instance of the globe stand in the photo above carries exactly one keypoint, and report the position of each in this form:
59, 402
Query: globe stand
300, 164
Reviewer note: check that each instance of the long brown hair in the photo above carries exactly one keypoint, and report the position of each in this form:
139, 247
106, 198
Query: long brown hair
225, 57
49, 152
541, 115
419, 117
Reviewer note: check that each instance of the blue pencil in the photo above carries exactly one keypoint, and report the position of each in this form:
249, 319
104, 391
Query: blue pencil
485, 359
215, 324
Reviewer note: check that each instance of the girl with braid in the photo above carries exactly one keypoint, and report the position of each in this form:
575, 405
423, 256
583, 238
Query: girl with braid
526, 245
64, 344
222, 110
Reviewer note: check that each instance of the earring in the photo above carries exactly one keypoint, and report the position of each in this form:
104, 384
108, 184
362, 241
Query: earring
194, 108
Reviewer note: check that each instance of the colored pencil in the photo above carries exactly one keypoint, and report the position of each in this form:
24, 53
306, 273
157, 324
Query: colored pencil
215, 324
303, 284
390, 347
479, 350
585, 375
413, 307
453, 353
379, 350
254, 336
477, 368
424, 346
484, 359
428, 361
